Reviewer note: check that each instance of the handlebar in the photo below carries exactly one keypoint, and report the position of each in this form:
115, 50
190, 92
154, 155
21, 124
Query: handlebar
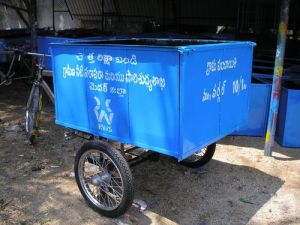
36, 54
19, 52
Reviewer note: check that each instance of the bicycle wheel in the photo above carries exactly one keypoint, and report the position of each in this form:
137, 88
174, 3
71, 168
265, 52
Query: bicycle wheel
104, 178
33, 112
199, 159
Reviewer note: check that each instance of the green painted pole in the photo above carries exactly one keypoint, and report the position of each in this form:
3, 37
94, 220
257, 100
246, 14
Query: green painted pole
277, 75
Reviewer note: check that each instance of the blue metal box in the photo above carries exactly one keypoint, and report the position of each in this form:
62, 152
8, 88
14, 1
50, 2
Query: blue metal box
173, 97
288, 128
258, 110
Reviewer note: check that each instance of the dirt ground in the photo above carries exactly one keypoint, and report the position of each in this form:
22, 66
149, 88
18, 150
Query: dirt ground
239, 186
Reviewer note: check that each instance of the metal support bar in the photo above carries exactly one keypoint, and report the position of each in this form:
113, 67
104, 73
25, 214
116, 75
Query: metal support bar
237, 25
102, 8
48, 91
53, 14
68, 9
47, 73
33, 24
33, 30
27, 4
111, 14
22, 18
12, 7
277, 75
175, 9
62, 10
131, 149
8, 76
164, 15
118, 8
141, 158
295, 25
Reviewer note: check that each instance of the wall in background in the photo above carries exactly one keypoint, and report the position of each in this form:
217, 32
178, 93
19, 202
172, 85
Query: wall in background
63, 20
9, 19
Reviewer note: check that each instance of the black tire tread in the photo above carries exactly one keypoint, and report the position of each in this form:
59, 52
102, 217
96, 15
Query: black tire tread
201, 162
36, 114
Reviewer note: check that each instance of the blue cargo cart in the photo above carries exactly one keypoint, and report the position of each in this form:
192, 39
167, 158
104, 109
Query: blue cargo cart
175, 97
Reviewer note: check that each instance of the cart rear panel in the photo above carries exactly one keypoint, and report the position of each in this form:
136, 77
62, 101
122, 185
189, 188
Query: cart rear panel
170, 99
215, 83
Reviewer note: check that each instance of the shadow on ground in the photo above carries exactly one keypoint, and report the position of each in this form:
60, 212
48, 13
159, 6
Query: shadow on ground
221, 194
258, 143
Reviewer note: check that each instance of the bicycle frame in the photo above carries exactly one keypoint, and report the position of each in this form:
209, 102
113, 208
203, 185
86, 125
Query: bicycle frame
34, 103
16, 56
39, 79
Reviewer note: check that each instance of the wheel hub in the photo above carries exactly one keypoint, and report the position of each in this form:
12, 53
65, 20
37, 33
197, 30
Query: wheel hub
100, 178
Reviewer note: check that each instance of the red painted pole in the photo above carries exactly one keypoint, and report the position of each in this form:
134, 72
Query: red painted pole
277, 75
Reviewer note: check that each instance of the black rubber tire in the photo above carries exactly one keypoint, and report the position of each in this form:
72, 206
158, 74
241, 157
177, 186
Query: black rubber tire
124, 169
202, 161
33, 113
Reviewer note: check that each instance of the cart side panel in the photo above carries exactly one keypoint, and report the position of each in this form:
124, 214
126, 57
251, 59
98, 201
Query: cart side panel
107, 92
199, 122
97, 77
69, 89
215, 83
199, 111
127, 94
154, 103
234, 107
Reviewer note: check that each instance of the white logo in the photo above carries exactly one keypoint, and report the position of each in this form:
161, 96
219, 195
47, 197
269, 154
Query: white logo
107, 114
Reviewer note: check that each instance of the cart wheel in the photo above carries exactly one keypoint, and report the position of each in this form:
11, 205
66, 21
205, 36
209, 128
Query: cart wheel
104, 178
201, 158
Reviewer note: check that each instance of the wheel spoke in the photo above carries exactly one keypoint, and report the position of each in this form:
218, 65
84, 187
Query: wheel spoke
117, 185
101, 196
112, 187
103, 162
